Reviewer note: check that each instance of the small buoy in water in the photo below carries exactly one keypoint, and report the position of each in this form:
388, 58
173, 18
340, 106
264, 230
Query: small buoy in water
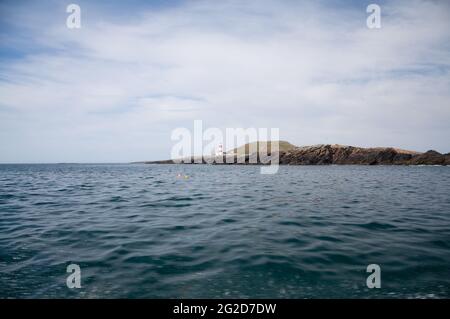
186, 176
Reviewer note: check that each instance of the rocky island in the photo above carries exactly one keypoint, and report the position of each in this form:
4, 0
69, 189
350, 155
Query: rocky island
323, 154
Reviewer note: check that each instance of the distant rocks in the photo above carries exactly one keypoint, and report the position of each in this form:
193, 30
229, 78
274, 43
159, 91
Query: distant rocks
340, 154
430, 158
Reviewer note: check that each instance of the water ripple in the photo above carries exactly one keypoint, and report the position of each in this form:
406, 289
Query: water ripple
138, 231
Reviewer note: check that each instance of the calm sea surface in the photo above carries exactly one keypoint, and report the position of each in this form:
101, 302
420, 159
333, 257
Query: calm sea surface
138, 231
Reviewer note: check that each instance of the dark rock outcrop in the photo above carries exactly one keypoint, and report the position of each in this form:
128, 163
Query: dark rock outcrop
428, 158
338, 154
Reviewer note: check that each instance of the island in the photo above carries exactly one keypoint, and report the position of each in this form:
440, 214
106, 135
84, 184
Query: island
322, 154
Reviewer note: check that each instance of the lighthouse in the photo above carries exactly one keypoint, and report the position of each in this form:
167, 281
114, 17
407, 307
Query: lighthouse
219, 150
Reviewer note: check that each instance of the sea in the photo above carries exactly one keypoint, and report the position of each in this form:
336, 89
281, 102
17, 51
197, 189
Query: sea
223, 231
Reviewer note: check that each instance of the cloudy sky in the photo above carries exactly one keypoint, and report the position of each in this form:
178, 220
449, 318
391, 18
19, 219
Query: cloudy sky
114, 90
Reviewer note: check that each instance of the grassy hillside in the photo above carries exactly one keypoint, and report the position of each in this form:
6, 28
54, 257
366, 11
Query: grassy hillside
265, 146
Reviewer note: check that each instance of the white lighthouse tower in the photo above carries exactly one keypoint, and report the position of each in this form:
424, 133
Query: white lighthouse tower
219, 150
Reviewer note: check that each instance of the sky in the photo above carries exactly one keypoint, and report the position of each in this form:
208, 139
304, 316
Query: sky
115, 89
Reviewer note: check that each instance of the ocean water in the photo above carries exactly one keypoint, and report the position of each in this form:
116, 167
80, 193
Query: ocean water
139, 231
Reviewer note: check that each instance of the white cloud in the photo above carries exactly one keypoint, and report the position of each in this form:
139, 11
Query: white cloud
115, 89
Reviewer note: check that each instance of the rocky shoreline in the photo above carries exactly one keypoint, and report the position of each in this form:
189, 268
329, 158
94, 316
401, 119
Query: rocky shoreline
327, 155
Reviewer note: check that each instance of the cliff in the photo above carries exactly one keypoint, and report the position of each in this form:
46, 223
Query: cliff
339, 154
